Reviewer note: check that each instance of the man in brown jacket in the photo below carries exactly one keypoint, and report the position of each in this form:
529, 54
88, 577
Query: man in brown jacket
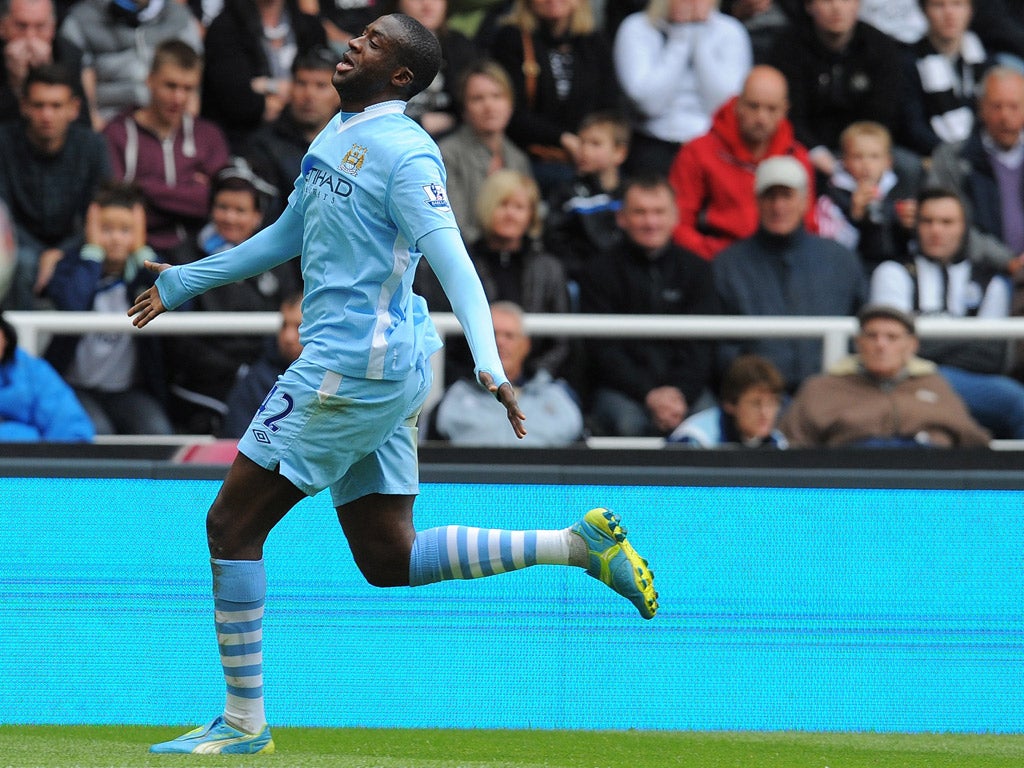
884, 396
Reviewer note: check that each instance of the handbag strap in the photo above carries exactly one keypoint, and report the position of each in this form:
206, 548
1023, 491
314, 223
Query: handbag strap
531, 69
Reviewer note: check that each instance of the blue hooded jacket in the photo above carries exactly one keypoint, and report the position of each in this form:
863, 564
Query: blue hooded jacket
35, 402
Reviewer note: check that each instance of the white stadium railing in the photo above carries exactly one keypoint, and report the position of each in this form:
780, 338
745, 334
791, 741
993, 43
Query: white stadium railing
35, 328
835, 332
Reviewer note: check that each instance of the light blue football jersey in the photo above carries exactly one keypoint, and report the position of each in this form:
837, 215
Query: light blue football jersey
371, 185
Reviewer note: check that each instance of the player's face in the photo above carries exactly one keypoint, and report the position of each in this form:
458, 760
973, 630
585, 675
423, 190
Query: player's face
948, 19
513, 344
1002, 109
648, 217
313, 98
885, 346
488, 107
430, 13
171, 90
781, 209
288, 343
116, 234
754, 412
598, 151
367, 68
866, 158
235, 215
49, 110
941, 226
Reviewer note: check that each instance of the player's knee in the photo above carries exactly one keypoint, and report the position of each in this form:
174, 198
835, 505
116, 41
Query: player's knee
386, 579
222, 535
384, 568
216, 534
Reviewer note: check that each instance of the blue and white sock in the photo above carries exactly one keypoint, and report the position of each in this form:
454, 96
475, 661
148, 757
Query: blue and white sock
239, 589
461, 552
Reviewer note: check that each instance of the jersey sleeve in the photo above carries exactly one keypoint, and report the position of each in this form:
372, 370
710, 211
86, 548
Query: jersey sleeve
446, 254
269, 247
417, 198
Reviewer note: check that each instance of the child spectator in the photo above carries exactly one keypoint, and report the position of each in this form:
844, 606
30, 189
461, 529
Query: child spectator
866, 206
250, 390
750, 399
118, 377
35, 403
581, 214
204, 368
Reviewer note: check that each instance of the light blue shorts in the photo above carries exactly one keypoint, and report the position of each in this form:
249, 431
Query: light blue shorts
354, 436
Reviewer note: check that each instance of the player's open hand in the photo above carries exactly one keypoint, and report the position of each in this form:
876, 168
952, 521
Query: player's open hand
507, 397
148, 304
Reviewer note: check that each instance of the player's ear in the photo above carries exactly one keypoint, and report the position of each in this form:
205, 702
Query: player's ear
402, 77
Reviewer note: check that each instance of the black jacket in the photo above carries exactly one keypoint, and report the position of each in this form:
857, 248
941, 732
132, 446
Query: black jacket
275, 153
234, 56
624, 280
594, 84
829, 90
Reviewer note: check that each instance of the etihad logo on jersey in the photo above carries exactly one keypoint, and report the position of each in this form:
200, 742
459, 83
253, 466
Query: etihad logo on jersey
436, 196
353, 160
326, 185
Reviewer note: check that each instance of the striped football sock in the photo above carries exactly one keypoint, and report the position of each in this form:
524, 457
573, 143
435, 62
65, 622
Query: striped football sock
460, 552
239, 588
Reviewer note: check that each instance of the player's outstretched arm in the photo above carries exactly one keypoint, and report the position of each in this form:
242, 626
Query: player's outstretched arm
444, 250
148, 304
507, 397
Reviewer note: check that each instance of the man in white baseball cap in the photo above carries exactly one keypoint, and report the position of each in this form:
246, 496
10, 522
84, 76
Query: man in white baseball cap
781, 171
785, 270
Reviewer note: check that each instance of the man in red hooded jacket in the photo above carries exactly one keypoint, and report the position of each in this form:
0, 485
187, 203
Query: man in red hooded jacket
713, 176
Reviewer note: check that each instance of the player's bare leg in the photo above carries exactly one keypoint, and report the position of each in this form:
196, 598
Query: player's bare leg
250, 503
380, 534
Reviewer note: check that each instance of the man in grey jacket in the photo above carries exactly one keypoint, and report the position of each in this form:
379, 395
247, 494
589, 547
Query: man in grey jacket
785, 270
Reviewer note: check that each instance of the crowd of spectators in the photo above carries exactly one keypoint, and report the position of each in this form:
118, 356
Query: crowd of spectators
751, 157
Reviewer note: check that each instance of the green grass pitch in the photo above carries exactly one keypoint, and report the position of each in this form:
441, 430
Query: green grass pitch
126, 747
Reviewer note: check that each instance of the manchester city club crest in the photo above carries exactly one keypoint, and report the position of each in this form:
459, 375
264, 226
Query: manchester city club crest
353, 160
436, 196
